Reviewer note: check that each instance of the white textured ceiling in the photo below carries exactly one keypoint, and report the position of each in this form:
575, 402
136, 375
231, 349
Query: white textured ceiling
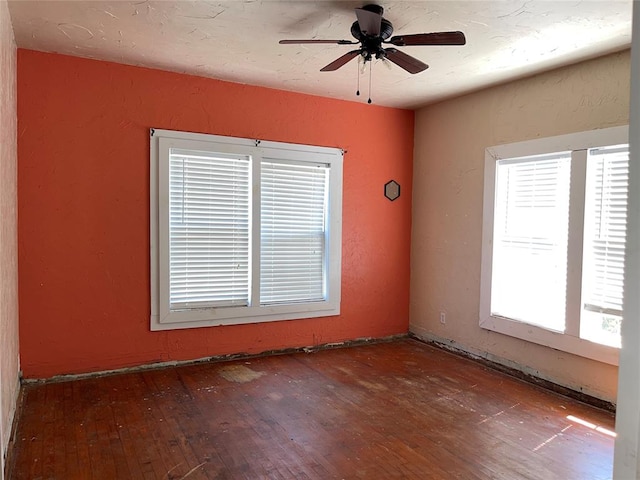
238, 40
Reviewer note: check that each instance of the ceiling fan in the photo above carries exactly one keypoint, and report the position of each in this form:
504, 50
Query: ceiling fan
372, 31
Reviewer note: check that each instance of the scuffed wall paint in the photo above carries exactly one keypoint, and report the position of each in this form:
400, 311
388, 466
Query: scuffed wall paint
83, 145
450, 140
9, 361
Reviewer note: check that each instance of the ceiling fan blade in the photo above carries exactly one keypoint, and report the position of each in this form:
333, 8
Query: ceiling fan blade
436, 38
369, 22
409, 63
299, 42
337, 63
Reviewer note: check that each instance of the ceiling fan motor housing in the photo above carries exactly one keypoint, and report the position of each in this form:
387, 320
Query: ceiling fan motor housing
372, 44
386, 30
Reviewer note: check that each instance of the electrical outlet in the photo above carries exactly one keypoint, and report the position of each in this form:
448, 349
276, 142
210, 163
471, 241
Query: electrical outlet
443, 318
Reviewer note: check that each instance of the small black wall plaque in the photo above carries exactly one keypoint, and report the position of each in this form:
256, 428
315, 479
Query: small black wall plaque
392, 190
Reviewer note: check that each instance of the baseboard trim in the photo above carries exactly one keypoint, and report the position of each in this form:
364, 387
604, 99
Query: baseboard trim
216, 358
14, 417
450, 346
501, 365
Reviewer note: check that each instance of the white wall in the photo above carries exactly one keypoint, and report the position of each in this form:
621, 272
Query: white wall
626, 463
450, 139
9, 362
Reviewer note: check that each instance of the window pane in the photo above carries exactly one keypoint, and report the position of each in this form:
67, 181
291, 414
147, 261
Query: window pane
293, 229
604, 244
209, 229
530, 240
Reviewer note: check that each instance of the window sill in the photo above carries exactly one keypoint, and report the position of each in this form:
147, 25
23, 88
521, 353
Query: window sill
241, 316
549, 338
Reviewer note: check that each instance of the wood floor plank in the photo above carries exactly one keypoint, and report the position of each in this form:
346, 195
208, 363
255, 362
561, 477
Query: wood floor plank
392, 410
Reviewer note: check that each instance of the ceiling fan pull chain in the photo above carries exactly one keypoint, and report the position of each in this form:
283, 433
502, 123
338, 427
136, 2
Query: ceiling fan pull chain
358, 67
370, 69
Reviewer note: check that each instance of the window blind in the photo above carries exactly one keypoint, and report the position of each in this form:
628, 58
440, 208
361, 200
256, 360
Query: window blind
209, 229
605, 230
293, 232
530, 239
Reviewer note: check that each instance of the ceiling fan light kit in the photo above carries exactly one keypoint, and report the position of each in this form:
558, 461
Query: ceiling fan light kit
371, 30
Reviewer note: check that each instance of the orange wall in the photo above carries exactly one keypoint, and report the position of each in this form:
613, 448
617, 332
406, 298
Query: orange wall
83, 210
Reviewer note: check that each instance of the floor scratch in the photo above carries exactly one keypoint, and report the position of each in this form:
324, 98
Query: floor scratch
192, 470
169, 472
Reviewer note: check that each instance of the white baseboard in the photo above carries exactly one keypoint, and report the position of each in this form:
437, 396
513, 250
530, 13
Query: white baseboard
10, 427
456, 347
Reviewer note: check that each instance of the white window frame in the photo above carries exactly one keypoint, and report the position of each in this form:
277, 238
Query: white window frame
162, 318
570, 340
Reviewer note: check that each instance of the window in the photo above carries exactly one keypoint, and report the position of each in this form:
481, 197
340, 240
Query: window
242, 231
604, 244
554, 230
530, 235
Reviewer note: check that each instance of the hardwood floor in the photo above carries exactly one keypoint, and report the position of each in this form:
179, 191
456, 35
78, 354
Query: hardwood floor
392, 410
